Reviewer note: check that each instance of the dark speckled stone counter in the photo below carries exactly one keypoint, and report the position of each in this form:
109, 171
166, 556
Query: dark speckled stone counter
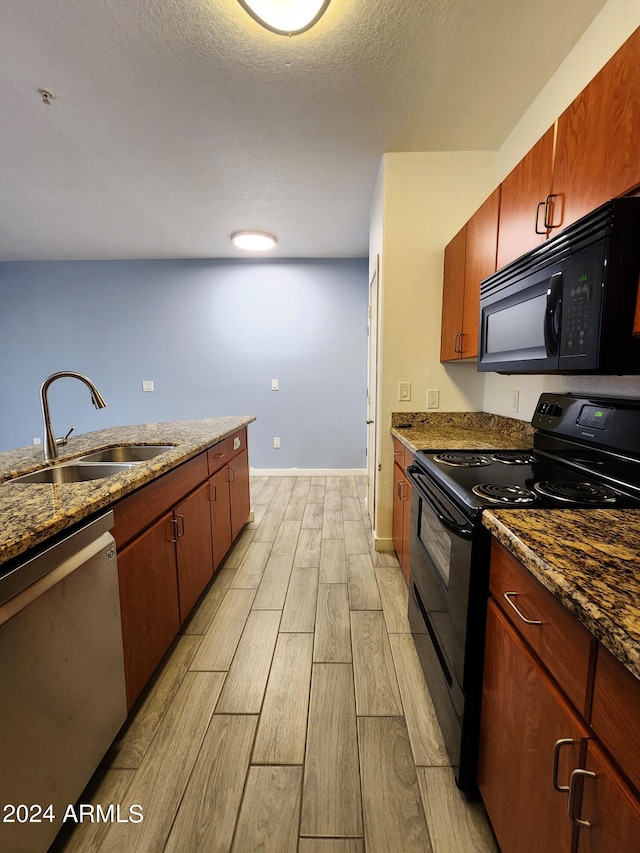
590, 560
460, 431
31, 513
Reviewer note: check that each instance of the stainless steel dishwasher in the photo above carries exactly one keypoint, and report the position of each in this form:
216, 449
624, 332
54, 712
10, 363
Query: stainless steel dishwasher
62, 692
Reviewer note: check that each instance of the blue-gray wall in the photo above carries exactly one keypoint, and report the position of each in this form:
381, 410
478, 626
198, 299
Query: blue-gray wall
210, 334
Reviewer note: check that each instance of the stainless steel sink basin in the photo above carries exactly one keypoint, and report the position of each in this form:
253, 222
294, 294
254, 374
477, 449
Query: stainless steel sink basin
73, 472
127, 453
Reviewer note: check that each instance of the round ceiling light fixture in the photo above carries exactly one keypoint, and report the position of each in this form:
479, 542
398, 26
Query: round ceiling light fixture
254, 241
286, 17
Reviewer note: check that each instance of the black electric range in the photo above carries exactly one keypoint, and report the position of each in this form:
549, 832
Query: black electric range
585, 454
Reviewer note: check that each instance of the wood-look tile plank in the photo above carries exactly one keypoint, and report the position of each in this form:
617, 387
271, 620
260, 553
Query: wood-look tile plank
271, 593
249, 575
268, 491
203, 613
333, 499
332, 642
356, 540
268, 528
351, 509
209, 809
294, 509
259, 511
286, 538
455, 825
283, 495
332, 524
308, 548
134, 738
361, 579
348, 487
331, 801
313, 515
283, 721
394, 595
245, 684
393, 815
385, 558
239, 549
427, 743
301, 488
315, 495
108, 786
330, 845
299, 613
333, 481
219, 643
377, 692
160, 781
333, 561
270, 811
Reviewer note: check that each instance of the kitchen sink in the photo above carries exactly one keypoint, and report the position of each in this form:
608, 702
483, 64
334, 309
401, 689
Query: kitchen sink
127, 453
73, 472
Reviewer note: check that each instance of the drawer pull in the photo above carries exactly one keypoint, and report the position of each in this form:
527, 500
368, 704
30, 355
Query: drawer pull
524, 618
564, 741
573, 786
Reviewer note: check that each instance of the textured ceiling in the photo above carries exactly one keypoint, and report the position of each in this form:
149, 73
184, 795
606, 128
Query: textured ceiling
176, 122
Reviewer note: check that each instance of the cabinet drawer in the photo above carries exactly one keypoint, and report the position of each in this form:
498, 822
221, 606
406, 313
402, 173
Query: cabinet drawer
222, 452
565, 648
615, 716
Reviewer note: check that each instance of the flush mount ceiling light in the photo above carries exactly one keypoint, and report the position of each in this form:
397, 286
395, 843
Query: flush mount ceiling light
254, 241
286, 17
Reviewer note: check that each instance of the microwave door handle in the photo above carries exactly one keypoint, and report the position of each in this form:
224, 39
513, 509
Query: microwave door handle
552, 314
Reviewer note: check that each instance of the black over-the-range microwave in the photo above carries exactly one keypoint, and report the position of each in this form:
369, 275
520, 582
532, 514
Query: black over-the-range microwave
568, 306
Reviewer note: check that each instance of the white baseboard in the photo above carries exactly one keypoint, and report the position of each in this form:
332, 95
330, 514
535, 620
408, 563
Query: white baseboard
381, 544
308, 472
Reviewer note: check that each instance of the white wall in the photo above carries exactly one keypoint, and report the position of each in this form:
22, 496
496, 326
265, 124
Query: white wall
422, 200
610, 29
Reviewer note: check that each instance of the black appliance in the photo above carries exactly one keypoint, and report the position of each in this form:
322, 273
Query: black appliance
568, 306
585, 453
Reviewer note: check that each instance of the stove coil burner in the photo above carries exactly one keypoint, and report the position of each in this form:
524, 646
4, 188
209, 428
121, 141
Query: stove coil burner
514, 457
504, 493
462, 460
576, 493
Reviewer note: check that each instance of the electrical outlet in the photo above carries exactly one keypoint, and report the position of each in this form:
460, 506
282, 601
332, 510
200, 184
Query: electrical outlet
276, 441
404, 391
37, 441
433, 399
515, 400
147, 385
274, 385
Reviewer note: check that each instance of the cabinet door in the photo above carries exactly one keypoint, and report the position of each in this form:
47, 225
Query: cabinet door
453, 296
220, 515
523, 715
480, 261
195, 552
609, 807
239, 492
597, 146
148, 602
400, 539
523, 190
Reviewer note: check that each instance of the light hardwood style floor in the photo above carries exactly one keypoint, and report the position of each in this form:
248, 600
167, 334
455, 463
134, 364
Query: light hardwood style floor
291, 714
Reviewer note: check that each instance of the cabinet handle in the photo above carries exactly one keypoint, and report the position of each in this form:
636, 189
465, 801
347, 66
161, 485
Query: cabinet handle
180, 528
173, 522
541, 204
461, 348
573, 787
524, 618
564, 741
401, 485
219, 455
213, 493
548, 206
457, 342
232, 474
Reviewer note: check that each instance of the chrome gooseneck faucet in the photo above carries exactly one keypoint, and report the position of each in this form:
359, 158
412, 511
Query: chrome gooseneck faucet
51, 443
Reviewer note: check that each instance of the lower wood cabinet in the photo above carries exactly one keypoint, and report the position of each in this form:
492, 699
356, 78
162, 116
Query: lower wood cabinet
559, 766
401, 505
171, 536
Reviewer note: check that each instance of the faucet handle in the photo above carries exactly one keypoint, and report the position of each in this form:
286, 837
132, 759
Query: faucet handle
62, 441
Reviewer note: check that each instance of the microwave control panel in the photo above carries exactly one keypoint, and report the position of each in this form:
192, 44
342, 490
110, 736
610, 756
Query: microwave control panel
581, 303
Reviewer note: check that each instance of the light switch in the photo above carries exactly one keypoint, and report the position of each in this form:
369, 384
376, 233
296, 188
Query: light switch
276, 441
274, 384
404, 391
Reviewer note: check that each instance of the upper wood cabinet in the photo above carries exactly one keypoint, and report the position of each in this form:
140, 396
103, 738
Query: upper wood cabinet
470, 257
523, 204
598, 148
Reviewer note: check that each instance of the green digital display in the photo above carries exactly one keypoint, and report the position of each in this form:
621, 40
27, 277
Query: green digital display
599, 414
584, 277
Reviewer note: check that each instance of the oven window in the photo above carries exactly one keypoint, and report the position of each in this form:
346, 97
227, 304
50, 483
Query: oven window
436, 541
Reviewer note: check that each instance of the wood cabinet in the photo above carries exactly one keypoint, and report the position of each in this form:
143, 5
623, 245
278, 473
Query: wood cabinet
559, 761
523, 203
469, 257
597, 145
401, 505
166, 534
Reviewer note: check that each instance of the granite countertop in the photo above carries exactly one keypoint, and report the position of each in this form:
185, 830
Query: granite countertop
31, 513
589, 560
460, 431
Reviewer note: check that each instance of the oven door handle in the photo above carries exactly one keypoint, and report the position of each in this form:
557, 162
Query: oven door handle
448, 522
